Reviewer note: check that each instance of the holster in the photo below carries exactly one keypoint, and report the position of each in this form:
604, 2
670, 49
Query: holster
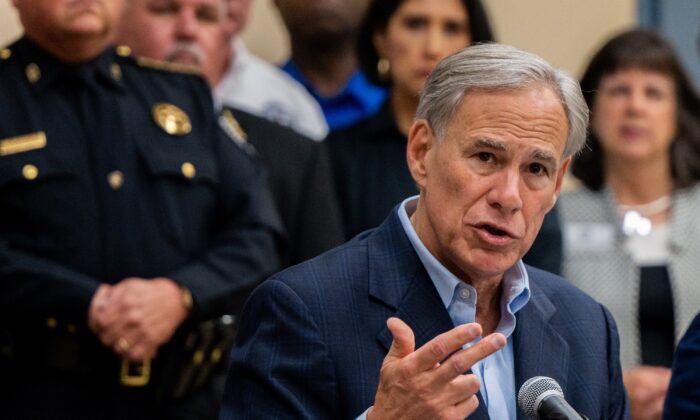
202, 350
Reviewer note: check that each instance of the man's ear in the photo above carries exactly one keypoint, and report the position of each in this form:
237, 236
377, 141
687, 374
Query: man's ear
560, 179
236, 16
420, 141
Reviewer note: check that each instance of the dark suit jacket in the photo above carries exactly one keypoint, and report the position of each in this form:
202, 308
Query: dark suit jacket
683, 398
300, 179
313, 337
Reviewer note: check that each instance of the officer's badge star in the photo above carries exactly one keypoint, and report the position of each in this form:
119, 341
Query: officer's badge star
171, 119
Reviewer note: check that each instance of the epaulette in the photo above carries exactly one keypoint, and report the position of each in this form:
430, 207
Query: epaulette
231, 126
152, 63
168, 66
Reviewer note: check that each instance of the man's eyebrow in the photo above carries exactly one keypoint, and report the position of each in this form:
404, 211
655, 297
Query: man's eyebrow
491, 144
544, 155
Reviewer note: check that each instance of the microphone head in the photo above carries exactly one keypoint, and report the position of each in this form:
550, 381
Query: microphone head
533, 391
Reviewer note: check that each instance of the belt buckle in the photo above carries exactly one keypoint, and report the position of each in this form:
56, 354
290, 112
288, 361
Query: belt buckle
135, 374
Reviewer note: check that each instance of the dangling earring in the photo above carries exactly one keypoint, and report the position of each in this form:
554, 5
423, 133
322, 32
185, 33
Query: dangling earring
383, 67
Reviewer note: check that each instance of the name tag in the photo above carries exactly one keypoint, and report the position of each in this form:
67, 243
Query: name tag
24, 143
589, 237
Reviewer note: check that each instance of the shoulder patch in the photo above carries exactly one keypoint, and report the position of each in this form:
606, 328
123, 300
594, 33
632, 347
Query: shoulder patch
167, 66
231, 127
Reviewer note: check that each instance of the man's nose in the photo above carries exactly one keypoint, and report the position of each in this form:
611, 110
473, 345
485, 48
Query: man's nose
186, 27
505, 192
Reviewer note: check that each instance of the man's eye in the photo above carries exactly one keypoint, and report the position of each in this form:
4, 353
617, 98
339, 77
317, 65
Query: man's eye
208, 15
163, 9
537, 169
485, 156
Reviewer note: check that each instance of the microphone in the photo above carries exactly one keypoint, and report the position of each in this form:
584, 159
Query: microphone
541, 398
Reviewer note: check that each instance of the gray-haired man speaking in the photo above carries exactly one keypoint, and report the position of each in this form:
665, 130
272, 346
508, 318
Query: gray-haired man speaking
433, 314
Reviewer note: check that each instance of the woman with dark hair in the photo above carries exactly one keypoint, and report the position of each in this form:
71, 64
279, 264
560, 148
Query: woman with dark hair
630, 232
400, 42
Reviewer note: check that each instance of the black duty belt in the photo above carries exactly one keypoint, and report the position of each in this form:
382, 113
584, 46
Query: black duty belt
183, 365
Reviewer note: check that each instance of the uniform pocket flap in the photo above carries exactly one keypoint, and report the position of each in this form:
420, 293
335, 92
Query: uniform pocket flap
183, 163
37, 164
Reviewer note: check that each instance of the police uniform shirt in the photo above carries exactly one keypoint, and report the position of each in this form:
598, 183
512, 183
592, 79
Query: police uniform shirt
112, 169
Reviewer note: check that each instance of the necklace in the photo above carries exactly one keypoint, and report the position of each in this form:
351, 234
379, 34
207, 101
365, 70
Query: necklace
651, 208
635, 218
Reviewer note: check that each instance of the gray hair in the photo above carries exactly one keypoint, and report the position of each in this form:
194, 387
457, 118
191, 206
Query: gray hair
497, 67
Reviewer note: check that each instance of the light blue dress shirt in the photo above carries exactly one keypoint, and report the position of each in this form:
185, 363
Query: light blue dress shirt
496, 372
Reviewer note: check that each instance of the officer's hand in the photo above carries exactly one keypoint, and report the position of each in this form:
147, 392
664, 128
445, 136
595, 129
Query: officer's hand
97, 305
140, 315
419, 384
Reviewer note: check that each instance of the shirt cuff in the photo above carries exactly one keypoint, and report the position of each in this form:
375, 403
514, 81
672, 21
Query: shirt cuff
363, 416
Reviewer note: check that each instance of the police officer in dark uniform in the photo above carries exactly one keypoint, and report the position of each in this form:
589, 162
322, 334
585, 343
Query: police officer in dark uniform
200, 33
128, 221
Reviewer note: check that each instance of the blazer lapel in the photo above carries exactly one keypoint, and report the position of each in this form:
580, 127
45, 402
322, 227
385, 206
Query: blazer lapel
420, 308
538, 348
400, 281
423, 311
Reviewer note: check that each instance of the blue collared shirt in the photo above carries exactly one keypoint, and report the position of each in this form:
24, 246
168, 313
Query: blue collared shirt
358, 100
496, 372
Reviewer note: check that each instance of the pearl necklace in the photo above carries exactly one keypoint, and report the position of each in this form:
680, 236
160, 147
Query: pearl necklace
635, 218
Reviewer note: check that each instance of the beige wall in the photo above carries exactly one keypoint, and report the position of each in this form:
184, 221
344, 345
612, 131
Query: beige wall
9, 23
265, 33
564, 32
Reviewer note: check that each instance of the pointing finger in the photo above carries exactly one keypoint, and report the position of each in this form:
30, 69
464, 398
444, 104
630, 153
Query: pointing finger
463, 360
437, 349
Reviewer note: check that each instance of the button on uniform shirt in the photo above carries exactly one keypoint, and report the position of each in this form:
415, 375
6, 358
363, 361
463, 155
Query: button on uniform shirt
496, 373
110, 169
358, 100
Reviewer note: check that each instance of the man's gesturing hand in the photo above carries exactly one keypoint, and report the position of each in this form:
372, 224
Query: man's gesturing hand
421, 383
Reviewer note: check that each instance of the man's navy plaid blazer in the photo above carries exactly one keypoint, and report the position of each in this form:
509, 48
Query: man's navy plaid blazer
312, 338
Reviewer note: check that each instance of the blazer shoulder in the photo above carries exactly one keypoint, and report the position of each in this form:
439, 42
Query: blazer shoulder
339, 268
560, 291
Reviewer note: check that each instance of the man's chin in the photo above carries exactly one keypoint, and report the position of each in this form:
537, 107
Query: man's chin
87, 25
487, 264
87, 32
